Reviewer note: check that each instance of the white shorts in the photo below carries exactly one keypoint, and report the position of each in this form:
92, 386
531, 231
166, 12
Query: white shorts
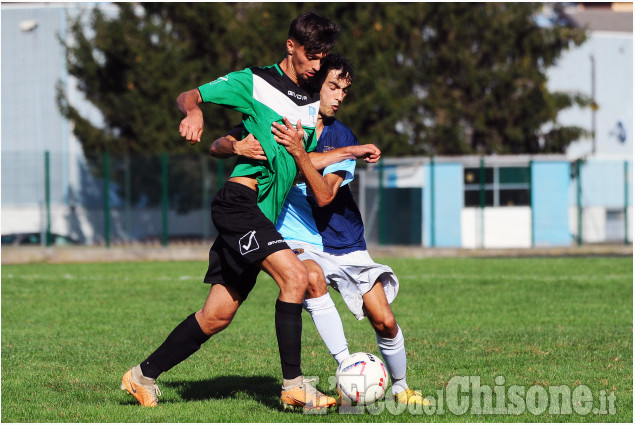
352, 274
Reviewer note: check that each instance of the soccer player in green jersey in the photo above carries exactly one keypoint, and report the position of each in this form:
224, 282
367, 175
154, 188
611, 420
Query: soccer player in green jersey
246, 208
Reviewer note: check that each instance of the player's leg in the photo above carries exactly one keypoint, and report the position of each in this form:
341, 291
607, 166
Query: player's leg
391, 343
289, 273
217, 313
232, 279
292, 278
389, 337
325, 316
251, 238
219, 309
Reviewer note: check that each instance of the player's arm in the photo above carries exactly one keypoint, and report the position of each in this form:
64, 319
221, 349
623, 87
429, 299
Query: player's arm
191, 127
369, 152
292, 139
234, 90
229, 145
334, 181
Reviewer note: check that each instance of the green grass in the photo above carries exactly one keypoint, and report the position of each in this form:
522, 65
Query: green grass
70, 331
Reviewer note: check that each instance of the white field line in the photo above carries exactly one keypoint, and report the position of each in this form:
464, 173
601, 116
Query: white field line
517, 278
95, 278
426, 277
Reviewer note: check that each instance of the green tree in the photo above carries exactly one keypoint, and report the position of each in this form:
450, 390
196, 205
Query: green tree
455, 78
133, 65
432, 78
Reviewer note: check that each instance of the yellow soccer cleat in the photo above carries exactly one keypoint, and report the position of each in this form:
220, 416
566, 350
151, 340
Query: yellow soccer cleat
411, 397
306, 396
146, 393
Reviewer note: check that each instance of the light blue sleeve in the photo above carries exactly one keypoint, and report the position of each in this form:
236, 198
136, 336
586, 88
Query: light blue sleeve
348, 166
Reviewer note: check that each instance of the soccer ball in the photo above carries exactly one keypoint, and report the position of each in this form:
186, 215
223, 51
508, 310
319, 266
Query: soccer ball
361, 379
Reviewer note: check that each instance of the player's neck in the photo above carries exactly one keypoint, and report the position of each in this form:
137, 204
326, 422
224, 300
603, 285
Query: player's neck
287, 67
321, 122
319, 126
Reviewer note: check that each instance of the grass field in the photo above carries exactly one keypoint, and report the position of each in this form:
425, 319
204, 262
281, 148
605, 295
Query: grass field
69, 332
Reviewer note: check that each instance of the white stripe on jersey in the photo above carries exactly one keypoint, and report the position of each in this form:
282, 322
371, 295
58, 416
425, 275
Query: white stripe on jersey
279, 102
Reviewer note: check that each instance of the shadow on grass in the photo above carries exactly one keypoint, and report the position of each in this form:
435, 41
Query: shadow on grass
264, 389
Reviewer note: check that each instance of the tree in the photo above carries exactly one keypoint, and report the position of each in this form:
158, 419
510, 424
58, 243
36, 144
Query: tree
133, 65
455, 78
432, 78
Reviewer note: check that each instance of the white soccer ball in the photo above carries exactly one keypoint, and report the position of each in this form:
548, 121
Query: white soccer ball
361, 379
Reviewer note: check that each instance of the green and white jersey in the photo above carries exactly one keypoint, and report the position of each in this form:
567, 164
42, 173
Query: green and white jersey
264, 95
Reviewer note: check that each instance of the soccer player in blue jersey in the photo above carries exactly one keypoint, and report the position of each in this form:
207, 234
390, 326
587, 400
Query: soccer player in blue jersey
330, 238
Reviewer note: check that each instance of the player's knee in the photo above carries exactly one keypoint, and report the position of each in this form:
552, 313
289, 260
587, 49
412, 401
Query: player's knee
386, 326
213, 323
316, 288
317, 283
294, 278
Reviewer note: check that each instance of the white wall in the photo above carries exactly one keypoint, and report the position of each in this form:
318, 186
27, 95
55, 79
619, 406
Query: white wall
594, 224
613, 54
504, 227
87, 225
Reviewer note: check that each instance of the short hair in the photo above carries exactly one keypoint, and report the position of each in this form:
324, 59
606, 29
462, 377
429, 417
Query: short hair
316, 33
334, 61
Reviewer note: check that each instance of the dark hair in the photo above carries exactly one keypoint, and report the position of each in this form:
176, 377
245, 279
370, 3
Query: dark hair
334, 61
316, 33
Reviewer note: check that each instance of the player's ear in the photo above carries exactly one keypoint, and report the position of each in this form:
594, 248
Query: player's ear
290, 46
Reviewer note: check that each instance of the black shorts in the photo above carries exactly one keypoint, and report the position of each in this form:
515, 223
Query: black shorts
245, 238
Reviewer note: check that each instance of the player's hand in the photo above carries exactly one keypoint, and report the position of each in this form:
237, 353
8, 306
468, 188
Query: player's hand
370, 153
191, 127
250, 147
292, 138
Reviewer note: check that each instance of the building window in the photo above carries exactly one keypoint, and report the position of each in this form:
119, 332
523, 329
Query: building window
503, 186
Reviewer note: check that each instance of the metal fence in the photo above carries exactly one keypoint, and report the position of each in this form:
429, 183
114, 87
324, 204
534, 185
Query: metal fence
110, 199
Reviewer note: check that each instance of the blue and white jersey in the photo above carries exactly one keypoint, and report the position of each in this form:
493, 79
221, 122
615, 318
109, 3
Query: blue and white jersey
336, 228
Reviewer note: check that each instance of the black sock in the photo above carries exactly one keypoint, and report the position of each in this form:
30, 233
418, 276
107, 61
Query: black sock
289, 334
184, 341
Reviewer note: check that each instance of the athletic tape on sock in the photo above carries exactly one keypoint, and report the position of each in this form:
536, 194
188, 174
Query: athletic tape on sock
323, 302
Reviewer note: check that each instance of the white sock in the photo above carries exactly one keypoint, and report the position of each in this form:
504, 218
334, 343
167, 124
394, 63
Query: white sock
394, 353
329, 325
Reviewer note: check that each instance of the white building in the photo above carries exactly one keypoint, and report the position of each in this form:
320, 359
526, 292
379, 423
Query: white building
33, 63
602, 67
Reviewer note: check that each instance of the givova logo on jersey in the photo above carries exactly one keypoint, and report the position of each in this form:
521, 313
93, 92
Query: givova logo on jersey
248, 243
219, 79
298, 96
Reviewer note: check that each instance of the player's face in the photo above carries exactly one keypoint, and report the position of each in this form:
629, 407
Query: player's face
304, 65
332, 93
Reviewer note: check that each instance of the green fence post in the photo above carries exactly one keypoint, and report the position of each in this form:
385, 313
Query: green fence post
47, 197
625, 202
578, 167
382, 235
432, 196
107, 199
205, 184
481, 198
531, 205
164, 199
127, 196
